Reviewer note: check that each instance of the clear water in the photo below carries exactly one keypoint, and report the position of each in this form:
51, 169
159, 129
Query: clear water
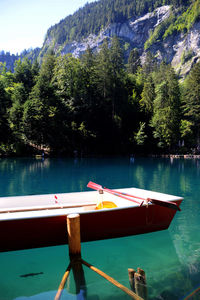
170, 258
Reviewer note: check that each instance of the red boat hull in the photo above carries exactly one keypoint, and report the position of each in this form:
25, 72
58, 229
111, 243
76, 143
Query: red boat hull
101, 224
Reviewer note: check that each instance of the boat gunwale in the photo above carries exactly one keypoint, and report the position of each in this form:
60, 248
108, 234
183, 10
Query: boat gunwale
60, 208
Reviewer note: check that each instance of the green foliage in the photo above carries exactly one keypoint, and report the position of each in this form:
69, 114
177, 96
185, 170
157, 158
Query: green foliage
186, 128
185, 21
148, 95
133, 61
186, 56
166, 108
192, 95
25, 72
41, 110
191, 103
93, 104
4, 104
176, 22
159, 32
140, 136
18, 97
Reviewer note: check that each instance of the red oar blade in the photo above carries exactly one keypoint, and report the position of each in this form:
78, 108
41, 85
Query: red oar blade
94, 186
168, 204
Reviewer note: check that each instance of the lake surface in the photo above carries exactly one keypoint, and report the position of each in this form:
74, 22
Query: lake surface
170, 258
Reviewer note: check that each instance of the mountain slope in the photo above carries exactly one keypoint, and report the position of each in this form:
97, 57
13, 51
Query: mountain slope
169, 31
97, 15
133, 33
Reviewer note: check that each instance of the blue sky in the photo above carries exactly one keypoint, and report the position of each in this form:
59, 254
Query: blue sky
24, 23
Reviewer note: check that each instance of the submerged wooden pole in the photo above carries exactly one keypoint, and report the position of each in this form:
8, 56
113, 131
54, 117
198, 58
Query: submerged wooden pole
113, 281
140, 283
62, 284
74, 236
79, 278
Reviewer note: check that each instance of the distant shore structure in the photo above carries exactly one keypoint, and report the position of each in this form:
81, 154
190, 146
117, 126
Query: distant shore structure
186, 156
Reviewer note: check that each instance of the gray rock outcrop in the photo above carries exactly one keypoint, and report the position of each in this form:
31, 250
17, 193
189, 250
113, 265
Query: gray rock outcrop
134, 31
181, 50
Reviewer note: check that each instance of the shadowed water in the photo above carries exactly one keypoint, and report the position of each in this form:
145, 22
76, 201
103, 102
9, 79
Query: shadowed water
170, 258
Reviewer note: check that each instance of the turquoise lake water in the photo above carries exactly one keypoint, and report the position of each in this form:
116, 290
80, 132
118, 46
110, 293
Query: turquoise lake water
170, 258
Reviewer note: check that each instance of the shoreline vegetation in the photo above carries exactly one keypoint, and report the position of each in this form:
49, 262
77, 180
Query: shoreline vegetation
132, 157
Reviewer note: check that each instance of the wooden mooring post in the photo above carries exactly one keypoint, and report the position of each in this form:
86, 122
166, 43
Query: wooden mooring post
131, 273
74, 236
137, 282
74, 241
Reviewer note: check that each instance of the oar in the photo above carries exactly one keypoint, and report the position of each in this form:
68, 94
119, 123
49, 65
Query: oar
98, 187
168, 204
155, 201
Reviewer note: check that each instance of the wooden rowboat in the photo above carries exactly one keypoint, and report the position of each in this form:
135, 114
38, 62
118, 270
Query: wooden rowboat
40, 220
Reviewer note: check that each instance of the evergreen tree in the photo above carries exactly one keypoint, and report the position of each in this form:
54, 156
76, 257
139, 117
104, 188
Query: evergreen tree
117, 74
4, 126
41, 118
88, 62
140, 136
166, 110
148, 95
150, 64
133, 61
192, 100
112, 96
102, 72
18, 97
25, 72
74, 88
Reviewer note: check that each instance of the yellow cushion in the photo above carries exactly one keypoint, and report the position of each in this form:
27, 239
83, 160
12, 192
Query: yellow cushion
105, 204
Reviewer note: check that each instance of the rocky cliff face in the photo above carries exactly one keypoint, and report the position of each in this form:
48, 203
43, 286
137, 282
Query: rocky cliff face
181, 50
135, 32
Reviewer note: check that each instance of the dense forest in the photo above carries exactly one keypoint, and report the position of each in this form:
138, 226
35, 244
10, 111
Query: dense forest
96, 104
